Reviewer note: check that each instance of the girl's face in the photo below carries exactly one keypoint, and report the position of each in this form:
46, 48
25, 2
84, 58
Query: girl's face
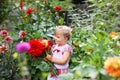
60, 39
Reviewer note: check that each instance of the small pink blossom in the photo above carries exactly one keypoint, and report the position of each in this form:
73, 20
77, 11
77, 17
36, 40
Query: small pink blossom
3, 48
8, 39
22, 34
3, 33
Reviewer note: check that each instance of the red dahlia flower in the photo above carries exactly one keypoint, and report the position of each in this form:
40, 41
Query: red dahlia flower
30, 10
39, 46
21, 4
57, 8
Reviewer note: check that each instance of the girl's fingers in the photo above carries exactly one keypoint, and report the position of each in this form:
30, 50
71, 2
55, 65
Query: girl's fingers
45, 59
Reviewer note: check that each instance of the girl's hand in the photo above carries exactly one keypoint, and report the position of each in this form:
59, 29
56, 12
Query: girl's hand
45, 59
48, 57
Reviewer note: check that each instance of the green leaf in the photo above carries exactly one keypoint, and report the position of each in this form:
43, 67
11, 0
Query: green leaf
37, 34
61, 21
34, 17
43, 66
68, 76
0, 38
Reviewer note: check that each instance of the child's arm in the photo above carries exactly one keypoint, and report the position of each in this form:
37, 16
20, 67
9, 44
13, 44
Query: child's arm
62, 61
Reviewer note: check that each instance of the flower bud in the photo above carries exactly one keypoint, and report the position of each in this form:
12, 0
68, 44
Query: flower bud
15, 55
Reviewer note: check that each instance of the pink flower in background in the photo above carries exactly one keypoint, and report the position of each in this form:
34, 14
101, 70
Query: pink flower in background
3, 33
3, 48
30, 10
57, 8
8, 39
22, 34
22, 47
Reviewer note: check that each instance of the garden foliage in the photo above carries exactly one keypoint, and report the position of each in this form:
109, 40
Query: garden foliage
95, 38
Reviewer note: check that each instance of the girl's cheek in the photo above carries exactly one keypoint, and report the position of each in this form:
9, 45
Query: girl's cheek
55, 38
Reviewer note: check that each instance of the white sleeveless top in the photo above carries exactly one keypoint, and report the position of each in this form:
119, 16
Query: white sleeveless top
58, 51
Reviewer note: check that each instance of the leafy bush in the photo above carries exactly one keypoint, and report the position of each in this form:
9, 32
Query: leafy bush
92, 39
95, 37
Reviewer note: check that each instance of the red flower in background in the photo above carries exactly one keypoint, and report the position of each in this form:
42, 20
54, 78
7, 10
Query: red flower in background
21, 4
57, 8
30, 10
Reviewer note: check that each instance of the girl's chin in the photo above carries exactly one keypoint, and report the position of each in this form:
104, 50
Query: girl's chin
60, 44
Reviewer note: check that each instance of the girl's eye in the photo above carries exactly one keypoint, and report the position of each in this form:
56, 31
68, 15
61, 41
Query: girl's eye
56, 37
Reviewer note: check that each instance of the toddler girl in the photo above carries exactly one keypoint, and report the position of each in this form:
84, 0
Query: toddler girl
61, 52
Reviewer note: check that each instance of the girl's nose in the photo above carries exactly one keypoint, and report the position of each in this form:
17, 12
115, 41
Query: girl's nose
55, 38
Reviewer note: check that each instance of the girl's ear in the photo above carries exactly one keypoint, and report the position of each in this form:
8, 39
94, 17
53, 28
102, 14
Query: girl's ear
66, 38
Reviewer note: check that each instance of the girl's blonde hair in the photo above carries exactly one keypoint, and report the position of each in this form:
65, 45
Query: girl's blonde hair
65, 30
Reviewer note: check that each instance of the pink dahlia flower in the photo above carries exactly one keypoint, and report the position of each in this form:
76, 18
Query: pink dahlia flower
22, 47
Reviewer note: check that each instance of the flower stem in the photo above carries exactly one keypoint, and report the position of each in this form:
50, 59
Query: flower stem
53, 68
